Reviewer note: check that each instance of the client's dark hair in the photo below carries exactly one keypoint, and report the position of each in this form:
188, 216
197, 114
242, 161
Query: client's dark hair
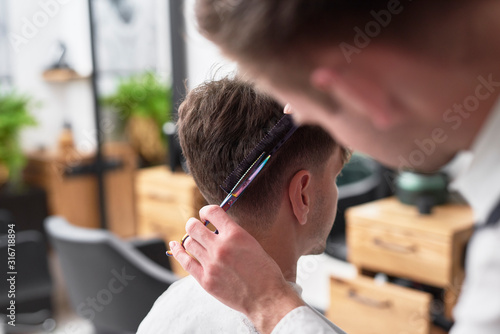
220, 122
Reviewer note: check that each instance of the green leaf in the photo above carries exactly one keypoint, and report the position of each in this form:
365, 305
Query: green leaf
14, 116
142, 95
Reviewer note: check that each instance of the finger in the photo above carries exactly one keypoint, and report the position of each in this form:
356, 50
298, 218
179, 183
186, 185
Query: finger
218, 218
198, 232
195, 249
189, 264
288, 109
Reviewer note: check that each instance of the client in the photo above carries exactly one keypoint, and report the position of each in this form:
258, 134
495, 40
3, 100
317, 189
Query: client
289, 208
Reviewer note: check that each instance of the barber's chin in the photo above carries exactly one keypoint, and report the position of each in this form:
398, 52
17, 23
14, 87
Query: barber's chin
418, 163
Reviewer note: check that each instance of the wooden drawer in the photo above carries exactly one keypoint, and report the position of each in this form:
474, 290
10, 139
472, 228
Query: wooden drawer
393, 238
166, 221
166, 212
401, 253
166, 194
154, 226
165, 201
160, 184
360, 306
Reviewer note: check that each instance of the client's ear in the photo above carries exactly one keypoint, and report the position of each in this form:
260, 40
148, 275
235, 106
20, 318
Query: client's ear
299, 194
358, 93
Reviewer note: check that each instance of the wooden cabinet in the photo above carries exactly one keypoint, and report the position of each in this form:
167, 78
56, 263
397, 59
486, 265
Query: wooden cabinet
165, 201
75, 197
362, 306
392, 238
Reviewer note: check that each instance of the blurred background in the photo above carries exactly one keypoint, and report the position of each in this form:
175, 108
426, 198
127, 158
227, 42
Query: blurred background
88, 94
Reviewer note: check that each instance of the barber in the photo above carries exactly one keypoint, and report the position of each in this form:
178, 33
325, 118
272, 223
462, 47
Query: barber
413, 84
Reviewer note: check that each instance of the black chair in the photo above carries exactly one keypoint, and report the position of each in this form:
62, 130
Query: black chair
109, 281
33, 285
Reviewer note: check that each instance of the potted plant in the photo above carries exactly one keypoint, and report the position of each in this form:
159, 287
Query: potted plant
14, 116
143, 102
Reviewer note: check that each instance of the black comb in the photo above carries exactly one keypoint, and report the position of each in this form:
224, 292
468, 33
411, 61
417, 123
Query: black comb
271, 142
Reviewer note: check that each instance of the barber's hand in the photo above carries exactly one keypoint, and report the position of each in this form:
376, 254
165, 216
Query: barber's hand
297, 116
235, 269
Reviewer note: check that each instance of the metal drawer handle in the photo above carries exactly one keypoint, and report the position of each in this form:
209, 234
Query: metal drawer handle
395, 247
369, 301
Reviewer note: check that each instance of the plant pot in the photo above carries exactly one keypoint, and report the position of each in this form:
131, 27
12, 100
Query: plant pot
146, 140
422, 190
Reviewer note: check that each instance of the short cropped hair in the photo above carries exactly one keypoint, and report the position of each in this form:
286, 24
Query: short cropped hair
274, 29
278, 38
219, 124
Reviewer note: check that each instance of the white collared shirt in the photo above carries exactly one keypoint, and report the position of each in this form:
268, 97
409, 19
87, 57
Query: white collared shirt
478, 308
186, 308
480, 182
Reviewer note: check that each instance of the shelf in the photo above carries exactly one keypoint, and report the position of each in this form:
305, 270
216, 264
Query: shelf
62, 75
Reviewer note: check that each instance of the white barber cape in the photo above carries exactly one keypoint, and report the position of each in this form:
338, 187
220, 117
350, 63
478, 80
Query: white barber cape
185, 308
478, 307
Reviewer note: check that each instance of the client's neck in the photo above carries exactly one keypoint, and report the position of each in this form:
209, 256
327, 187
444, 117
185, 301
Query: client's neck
285, 256
280, 242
